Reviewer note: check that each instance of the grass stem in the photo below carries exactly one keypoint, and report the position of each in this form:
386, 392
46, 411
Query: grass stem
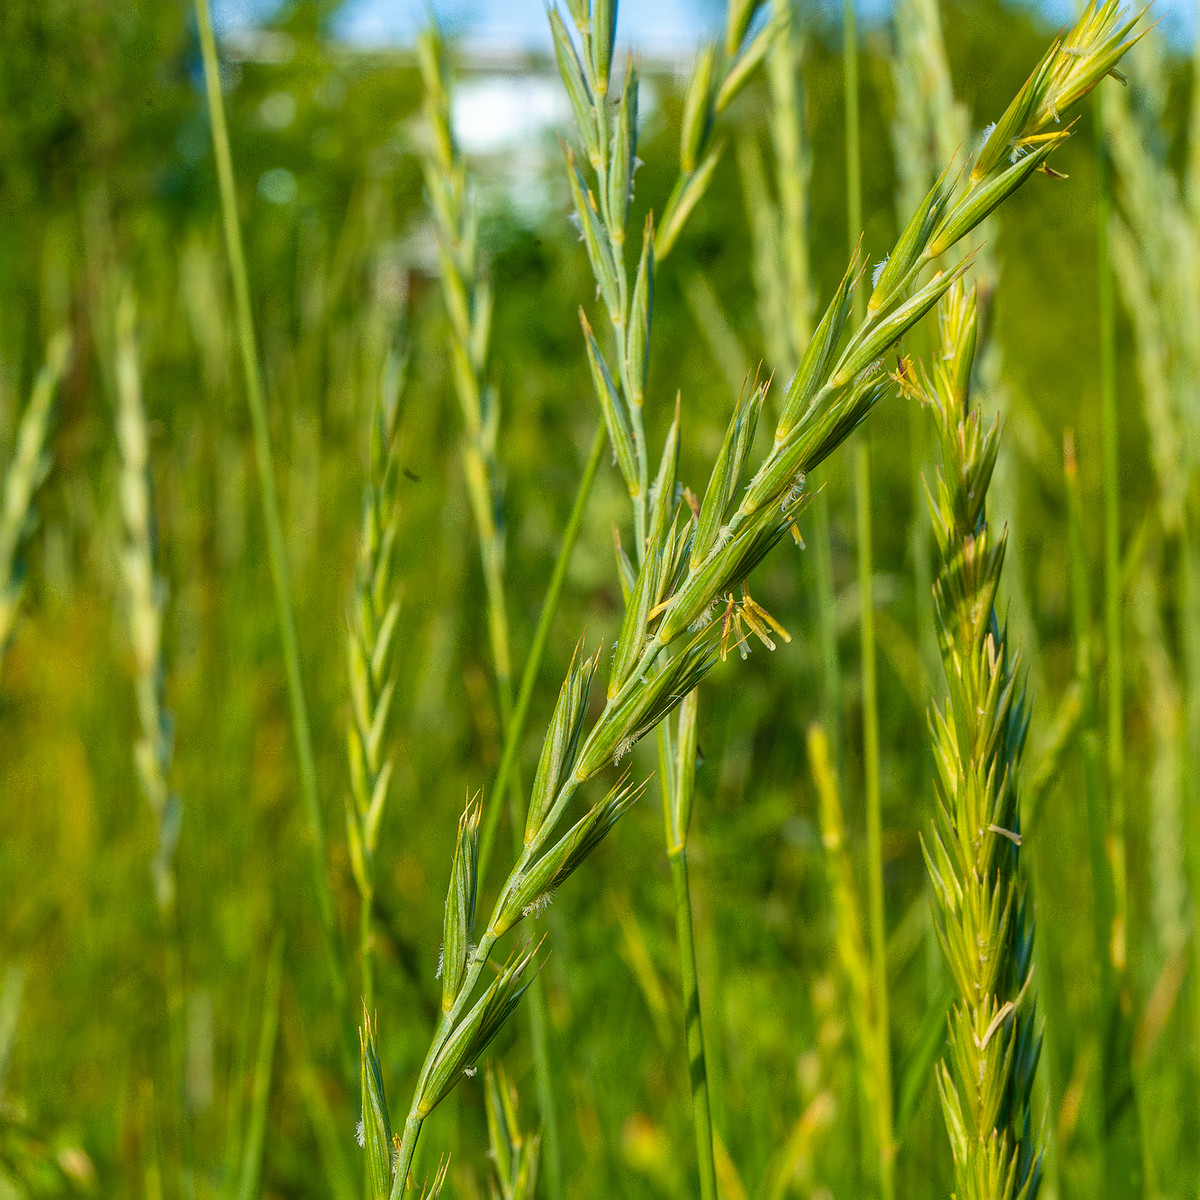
1114, 692
1123, 1128
276, 551
697, 1070
870, 706
252, 1153
677, 762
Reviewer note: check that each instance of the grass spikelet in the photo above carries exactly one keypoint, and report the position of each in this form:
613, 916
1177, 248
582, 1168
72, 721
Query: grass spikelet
973, 852
468, 301
370, 645
375, 1126
146, 598
153, 749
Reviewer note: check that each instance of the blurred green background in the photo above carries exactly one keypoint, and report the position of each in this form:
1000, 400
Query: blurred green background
108, 173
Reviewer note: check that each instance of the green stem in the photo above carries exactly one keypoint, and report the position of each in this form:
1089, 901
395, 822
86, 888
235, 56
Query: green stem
1125, 1150
404, 1155
677, 769
270, 502
870, 706
1081, 616
537, 648
853, 141
1115, 714
365, 949
252, 1154
697, 1071
827, 638
176, 1036
875, 897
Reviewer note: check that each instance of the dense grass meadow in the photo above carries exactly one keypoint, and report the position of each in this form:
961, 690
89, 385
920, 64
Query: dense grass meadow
312, 625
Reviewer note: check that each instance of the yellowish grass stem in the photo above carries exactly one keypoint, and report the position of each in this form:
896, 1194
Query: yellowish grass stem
877, 921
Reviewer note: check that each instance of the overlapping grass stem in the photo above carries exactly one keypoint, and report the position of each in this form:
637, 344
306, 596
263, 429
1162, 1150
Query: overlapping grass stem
880, 1063
696, 561
717, 76
984, 922
23, 477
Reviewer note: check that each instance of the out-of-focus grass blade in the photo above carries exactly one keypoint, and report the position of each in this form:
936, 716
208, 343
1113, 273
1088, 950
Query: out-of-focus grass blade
252, 1150
917, 1069
10, 1009
325, 1126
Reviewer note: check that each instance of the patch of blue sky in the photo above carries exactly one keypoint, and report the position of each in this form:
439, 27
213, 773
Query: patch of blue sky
657, 26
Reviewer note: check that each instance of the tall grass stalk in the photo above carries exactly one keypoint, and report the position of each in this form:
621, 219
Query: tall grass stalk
23, 477
984, 922
1113, 611
468, 302
877, 917
684, 604
154, 747
679, 793
276, 551
607, 126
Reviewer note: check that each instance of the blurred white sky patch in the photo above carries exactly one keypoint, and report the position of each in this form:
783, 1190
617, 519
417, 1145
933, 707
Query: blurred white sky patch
507, 120
496, 113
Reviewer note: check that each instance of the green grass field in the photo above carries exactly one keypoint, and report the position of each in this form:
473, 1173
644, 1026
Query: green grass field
189, 915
